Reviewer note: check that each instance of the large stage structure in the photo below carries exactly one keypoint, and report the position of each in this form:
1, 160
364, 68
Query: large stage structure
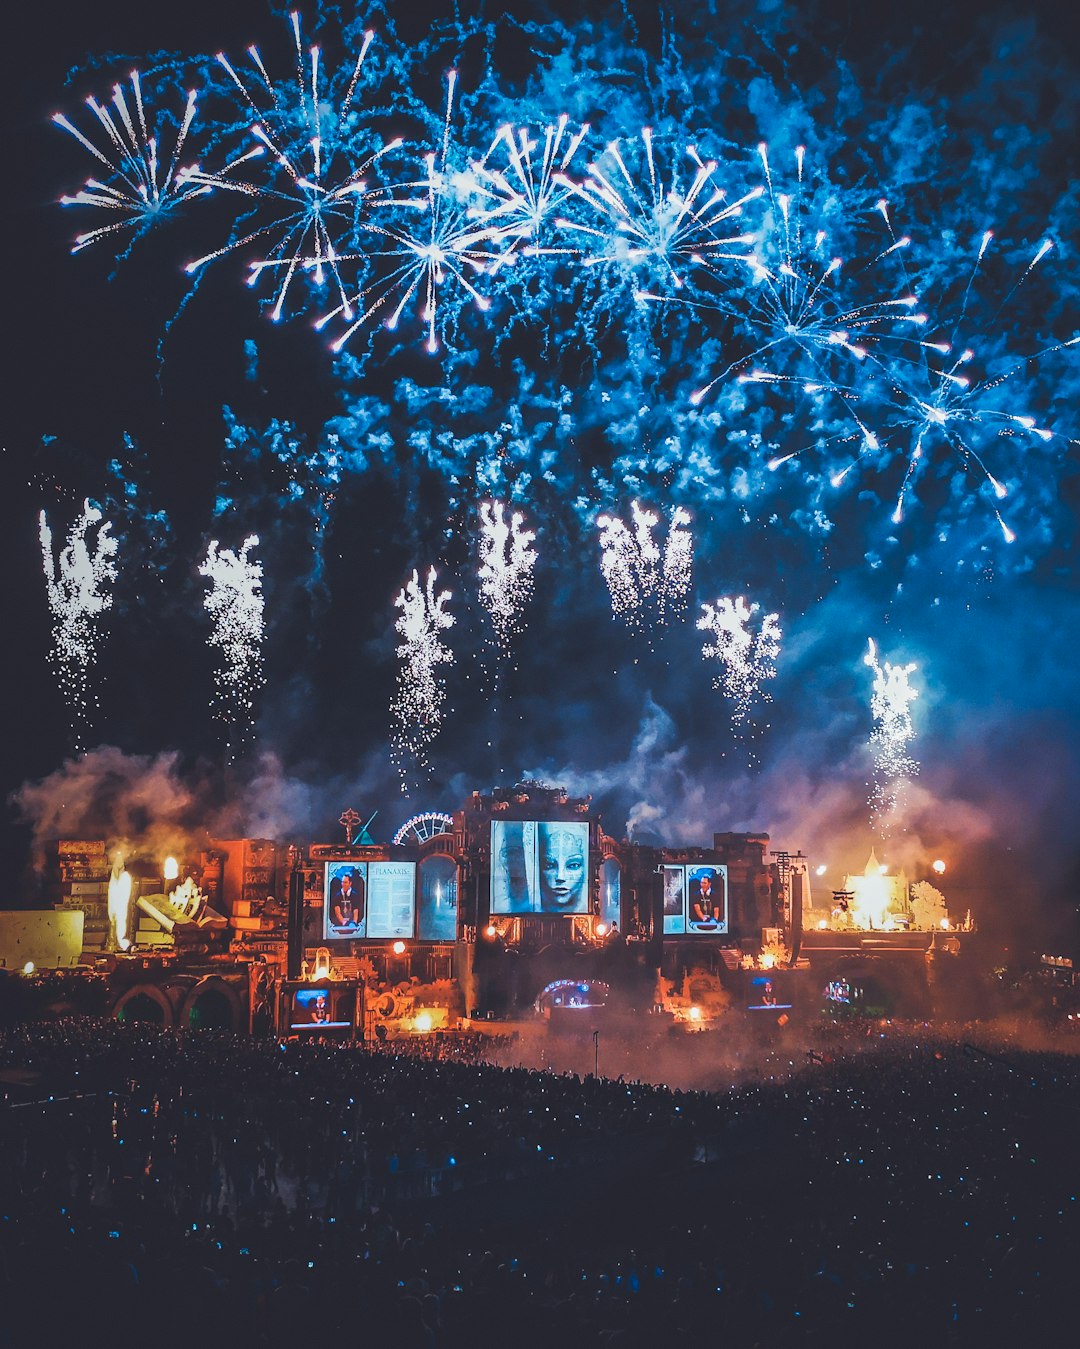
518, 905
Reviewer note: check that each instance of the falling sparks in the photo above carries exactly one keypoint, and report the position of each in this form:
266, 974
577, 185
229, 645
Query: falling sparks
678, 566
890, 705
235, 603
78, 585
507, 560
416, 708
640, 578
746, 658
138, 185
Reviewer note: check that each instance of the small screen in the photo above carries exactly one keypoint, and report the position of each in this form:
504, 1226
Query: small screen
437, 912
695, 900
674, 900
315, 1007
391, 899
768, 993
345, 901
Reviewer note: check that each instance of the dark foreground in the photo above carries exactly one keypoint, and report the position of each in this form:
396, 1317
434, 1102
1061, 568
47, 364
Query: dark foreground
196, 1190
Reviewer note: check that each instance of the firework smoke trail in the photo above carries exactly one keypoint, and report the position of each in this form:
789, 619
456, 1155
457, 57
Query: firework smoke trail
140, 186
235, 603
77, 584
451, 244
507, 560
667, 229
416, 709
313, 207
890, 705
746, 658
936, 401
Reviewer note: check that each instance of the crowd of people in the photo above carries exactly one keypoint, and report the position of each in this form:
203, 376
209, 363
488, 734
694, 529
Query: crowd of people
193, 1187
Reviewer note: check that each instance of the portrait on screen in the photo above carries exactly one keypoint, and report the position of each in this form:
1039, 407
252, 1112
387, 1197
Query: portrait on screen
345, 900
674, 900
311, 1007
706, 899
513, 866
562, 850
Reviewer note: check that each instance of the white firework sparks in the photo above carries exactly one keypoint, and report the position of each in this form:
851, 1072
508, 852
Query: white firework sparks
523, 182
678, 566
416, 708
139, 185
936, 401
630, 562
78, 587
452, 246
667, 228
890, 704
507, 560
641, 578
313, 202
746, 658
235, 603
797, 299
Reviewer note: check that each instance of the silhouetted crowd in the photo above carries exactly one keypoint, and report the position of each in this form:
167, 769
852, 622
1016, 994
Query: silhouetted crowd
192, 1188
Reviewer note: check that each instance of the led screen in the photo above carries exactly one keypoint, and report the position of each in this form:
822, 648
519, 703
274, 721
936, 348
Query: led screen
539, 866
345, 900
391, 899
610, 879
437, 913
674, 900
695, 900
768, 992
369, 899
706, 899
314, 1007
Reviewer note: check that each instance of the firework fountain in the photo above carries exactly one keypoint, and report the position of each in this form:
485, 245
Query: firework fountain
890, 704
416, 709
78, 582
235, 604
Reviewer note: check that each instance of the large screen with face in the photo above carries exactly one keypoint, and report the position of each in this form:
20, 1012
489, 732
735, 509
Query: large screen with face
695, 900
539, 866
369, 899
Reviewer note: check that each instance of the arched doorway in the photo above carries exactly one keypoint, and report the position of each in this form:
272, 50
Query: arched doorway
145, 1004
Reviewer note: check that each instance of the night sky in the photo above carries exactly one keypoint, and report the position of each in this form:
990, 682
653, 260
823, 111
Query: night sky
187, 415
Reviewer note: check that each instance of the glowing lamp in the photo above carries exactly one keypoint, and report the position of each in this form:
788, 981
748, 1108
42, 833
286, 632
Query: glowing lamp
601, 929
768, 960
821, 870
423, 1021
823, 923
883, 870
171, 869
491, 930
694, 1014
945, 924
939, 867
29, 967
399, 948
